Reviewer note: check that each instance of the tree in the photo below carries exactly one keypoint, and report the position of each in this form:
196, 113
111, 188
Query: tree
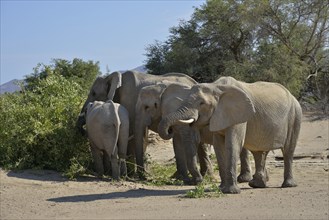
283, 41
81, 72
156, 54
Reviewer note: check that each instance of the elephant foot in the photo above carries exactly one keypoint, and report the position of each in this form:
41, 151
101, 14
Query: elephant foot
193, 181
188, 182
289, 183
197, 180
257, 183
115, 178
123, 169
231, 189
185, 178
244, 177
221, 185
179, 176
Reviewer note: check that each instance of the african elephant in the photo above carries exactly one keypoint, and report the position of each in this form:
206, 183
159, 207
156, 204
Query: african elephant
155, 101
108, 129
259, 116
124, 89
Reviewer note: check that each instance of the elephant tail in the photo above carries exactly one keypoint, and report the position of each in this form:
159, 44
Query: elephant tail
113, 126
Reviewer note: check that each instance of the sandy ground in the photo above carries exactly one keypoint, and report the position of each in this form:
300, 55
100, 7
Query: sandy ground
32, 194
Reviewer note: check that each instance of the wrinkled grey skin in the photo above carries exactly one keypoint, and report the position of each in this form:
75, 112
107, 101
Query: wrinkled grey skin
124, 89
259, 116
108, 129
156, 101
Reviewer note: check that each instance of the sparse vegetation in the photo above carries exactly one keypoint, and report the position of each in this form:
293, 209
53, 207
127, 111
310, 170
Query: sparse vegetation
206, 189
162, 174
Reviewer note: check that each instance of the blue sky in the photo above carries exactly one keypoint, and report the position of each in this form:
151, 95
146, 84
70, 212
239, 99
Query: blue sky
115, 33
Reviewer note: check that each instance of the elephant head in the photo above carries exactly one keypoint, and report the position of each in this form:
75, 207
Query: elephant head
154, 101
214, 105
102, 89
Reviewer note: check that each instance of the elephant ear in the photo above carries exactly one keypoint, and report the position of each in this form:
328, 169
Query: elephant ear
114, 82
176, 90
151, 93
234, 107
174, 96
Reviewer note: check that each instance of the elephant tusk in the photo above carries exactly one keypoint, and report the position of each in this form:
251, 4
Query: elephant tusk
188, 121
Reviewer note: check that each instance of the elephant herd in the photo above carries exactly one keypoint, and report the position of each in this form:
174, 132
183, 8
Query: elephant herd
233, 116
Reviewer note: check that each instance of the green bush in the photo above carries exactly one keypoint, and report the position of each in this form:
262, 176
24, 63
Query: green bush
203, 190
38, 126
162, 174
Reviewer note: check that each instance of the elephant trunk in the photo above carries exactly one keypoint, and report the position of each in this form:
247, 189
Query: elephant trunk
80, 123
82, 118
183, 115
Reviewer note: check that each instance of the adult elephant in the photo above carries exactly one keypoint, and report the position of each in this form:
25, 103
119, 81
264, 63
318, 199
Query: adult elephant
124, 89
156, 101
260, 116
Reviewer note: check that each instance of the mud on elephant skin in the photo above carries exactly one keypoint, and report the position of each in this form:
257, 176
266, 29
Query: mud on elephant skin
259, 116
108, 129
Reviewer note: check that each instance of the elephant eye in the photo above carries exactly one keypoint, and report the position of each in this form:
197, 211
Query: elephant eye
155, 105
93, 93
146, 107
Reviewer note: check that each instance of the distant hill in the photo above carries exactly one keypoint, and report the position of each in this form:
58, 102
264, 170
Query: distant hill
11, 86
141, 69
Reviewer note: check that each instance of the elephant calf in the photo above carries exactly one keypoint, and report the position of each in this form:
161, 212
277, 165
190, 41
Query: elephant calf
108, 129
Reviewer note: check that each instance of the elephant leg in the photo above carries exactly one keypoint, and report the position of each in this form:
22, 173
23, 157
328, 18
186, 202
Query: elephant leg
204, 160
107, 164
192, 166
234, 138
189, 145
98, 159
130, 159
181, 165
115, 167
123, 144
219, 147
288, 177
245, 173
260, 177
289, 149
114, 164
123, 167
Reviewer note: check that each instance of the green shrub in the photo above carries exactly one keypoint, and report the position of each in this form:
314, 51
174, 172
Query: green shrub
204, 190
38, 126
162, 174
